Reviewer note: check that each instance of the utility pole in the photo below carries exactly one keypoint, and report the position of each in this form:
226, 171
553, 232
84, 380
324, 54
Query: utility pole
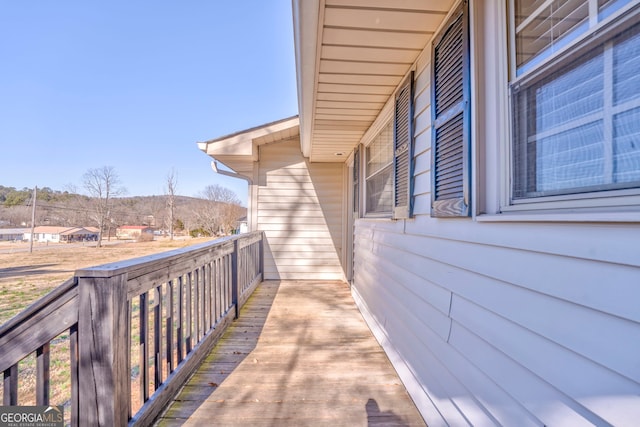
33, 218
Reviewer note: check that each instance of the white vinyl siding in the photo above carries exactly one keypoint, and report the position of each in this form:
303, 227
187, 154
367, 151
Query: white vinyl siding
521, 323
299, 207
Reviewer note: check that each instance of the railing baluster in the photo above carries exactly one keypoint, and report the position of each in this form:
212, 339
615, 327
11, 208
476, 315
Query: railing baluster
256, 253
246, 273
189, 327
73, 359
206, 272
261, 256
179, 333
215, 284
205, 317
239, 271
234, 277
10, 392
225, 282
219, 310
220, 287
214, 292
229, 268
144, 347
203, 302
42, 375
230, 280
157, 338
224, 273
196, 304
169, 328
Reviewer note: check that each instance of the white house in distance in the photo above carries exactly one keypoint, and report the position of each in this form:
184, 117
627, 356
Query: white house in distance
54, 234
473, 170
13, 234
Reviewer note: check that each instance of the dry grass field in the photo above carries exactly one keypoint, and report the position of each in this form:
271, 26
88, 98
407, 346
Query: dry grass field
25, 277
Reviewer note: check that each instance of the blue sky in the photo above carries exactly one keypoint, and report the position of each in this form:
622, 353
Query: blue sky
134, 85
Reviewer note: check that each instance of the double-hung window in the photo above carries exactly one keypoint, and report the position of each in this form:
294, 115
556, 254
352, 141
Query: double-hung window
575, 96
379, 173
389, 160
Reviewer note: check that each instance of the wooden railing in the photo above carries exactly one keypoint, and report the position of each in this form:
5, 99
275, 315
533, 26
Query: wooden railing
137, 329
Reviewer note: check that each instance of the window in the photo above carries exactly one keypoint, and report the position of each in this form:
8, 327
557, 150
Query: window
388, 165
575, 98
450, 106
379, 173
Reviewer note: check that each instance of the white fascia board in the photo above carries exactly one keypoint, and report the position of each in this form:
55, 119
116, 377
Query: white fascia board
238, 145
305, 36
242, 143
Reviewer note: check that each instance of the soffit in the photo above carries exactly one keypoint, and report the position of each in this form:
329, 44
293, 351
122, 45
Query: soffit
364, 48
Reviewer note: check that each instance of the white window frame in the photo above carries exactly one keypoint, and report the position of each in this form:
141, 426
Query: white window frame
364, 178
383, 119
616, 205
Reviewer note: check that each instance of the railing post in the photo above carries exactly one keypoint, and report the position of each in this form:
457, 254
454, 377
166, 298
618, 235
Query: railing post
234, 277
103, 325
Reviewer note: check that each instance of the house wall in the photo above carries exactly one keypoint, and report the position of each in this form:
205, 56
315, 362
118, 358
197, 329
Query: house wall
127, 234
495, 322
50, 237
299, 207
12, 236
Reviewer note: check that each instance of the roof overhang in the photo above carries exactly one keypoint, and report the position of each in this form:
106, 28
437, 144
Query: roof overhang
239, 150
350, 57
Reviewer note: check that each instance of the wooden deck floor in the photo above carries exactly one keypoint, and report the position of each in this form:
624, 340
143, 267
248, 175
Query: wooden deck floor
299, 355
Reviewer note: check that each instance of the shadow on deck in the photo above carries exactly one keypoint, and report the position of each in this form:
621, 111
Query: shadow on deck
300, 354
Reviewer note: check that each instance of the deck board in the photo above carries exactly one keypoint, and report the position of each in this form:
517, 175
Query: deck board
299, 355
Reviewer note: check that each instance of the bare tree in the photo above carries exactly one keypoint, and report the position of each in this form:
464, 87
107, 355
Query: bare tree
172, 184
102, 184
221, 211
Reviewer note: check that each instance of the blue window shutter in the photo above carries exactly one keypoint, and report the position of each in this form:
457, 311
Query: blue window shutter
403, 149
356, 182
451, 118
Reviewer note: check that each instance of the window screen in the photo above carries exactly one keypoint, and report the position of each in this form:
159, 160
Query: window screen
379, 172
577, 128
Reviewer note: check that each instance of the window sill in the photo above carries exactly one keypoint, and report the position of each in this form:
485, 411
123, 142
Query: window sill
619, 217
377, 217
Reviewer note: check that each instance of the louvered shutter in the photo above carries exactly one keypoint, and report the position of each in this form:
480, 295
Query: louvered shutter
450, 106
356, 183
403, 149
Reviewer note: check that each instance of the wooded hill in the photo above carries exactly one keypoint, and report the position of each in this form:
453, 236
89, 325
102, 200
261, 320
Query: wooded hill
63, 208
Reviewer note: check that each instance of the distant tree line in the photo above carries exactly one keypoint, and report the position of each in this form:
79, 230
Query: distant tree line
9, 196
214, 212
